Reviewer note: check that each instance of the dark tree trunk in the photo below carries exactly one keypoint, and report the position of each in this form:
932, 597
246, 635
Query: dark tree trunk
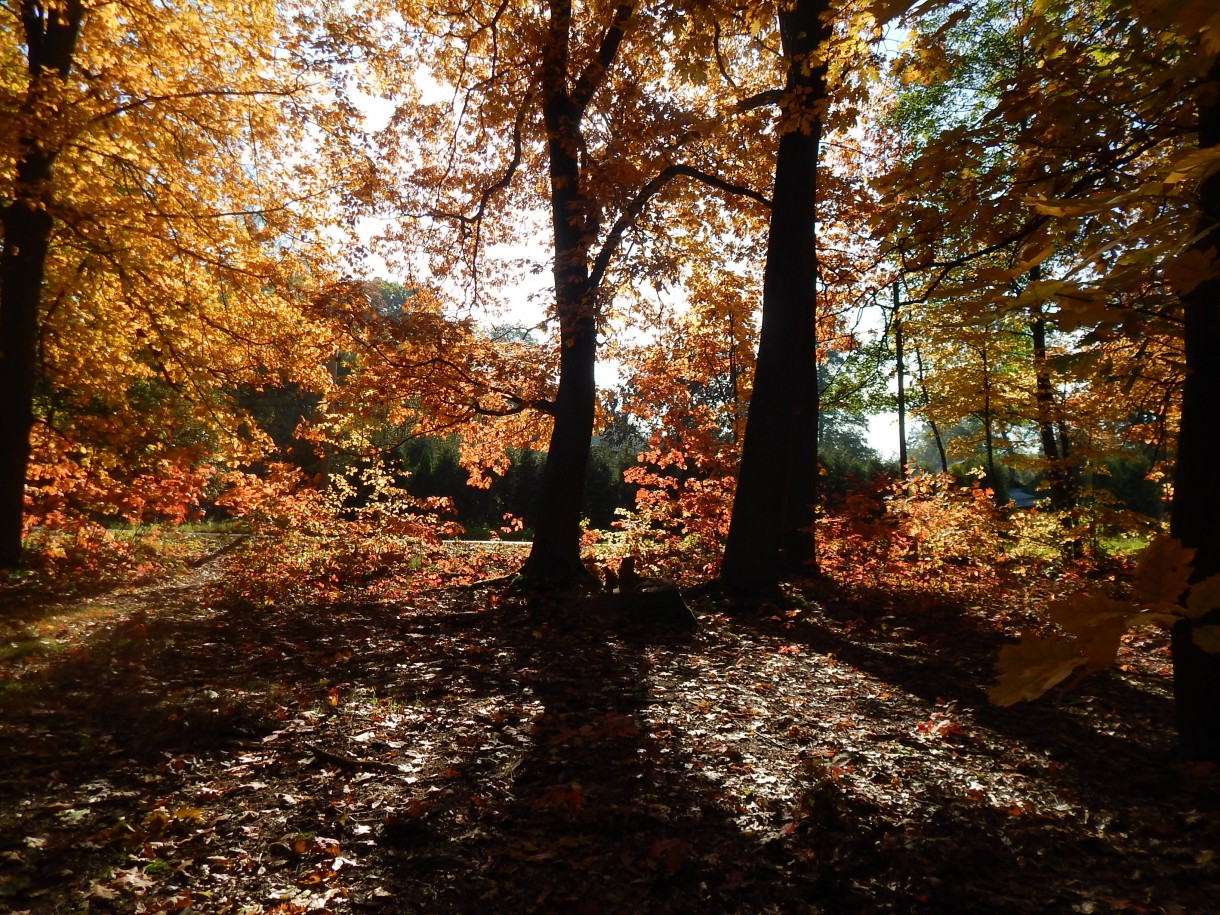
1046, 409
1196, 498
999, 492
899, 342
555, 555
927, 400
51, 36
26, 235
771, 530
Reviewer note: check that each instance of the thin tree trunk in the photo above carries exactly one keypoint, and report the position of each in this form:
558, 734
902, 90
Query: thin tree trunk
1044, 404
734, 386
902, 390
993, 478
50, 34
927, 400
771, 530
1196, 499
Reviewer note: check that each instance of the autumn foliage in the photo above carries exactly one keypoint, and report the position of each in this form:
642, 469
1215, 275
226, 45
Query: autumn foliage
616, 455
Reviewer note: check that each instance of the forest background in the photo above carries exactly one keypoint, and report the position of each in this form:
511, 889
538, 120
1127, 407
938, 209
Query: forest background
994, 220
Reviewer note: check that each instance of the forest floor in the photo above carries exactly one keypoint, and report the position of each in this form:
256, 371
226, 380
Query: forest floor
172, 748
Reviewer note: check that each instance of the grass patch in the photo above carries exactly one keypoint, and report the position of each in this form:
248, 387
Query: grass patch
27, 647
1123, 545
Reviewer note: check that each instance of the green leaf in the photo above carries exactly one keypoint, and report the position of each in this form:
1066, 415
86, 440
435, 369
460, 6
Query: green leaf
1033, 666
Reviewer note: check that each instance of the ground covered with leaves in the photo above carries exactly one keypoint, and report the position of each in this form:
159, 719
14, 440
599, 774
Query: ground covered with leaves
180, 747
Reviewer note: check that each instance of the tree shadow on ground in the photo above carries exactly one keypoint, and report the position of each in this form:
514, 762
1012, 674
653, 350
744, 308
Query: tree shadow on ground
601, 812
594, 814
1110, 747
942, 651
474, 752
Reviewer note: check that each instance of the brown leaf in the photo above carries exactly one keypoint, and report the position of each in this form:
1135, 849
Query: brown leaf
1204, 597
1163, 571
1028, 669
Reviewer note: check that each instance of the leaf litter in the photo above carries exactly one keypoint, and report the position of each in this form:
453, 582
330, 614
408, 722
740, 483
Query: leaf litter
472, 750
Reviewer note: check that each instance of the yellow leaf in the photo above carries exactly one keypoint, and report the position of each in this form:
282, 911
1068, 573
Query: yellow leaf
1163, 571
1097, 621
1041, 291
1210, 39
1196, 165
1032, 255
995, 274
1186, 272
1062, 208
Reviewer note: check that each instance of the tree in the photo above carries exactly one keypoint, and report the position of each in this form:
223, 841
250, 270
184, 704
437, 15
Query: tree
581, 94
50, 37
1128, 215
1196, 501
1049, 414
998, 83
771, 527
148, 191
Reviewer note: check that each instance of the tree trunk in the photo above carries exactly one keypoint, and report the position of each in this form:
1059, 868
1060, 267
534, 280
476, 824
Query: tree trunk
998, 492
27, 232
927, 401
50, 37
771, 529
555, 555
1044, 404
902, 389
1196, 499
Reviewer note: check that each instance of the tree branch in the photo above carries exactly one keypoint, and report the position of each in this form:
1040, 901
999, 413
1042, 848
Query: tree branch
759, 100
594, 74
1083, 183
633, 210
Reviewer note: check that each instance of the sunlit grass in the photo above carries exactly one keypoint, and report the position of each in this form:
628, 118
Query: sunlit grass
1124, 545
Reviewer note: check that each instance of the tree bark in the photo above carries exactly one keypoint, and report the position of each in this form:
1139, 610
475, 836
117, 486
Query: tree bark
555, 555
927, 402
1196, 500
899, 342
51, 34
771, 529
1045, 408
999, 493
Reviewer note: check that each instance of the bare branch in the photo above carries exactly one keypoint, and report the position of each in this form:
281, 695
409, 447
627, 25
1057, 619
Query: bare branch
760, 100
